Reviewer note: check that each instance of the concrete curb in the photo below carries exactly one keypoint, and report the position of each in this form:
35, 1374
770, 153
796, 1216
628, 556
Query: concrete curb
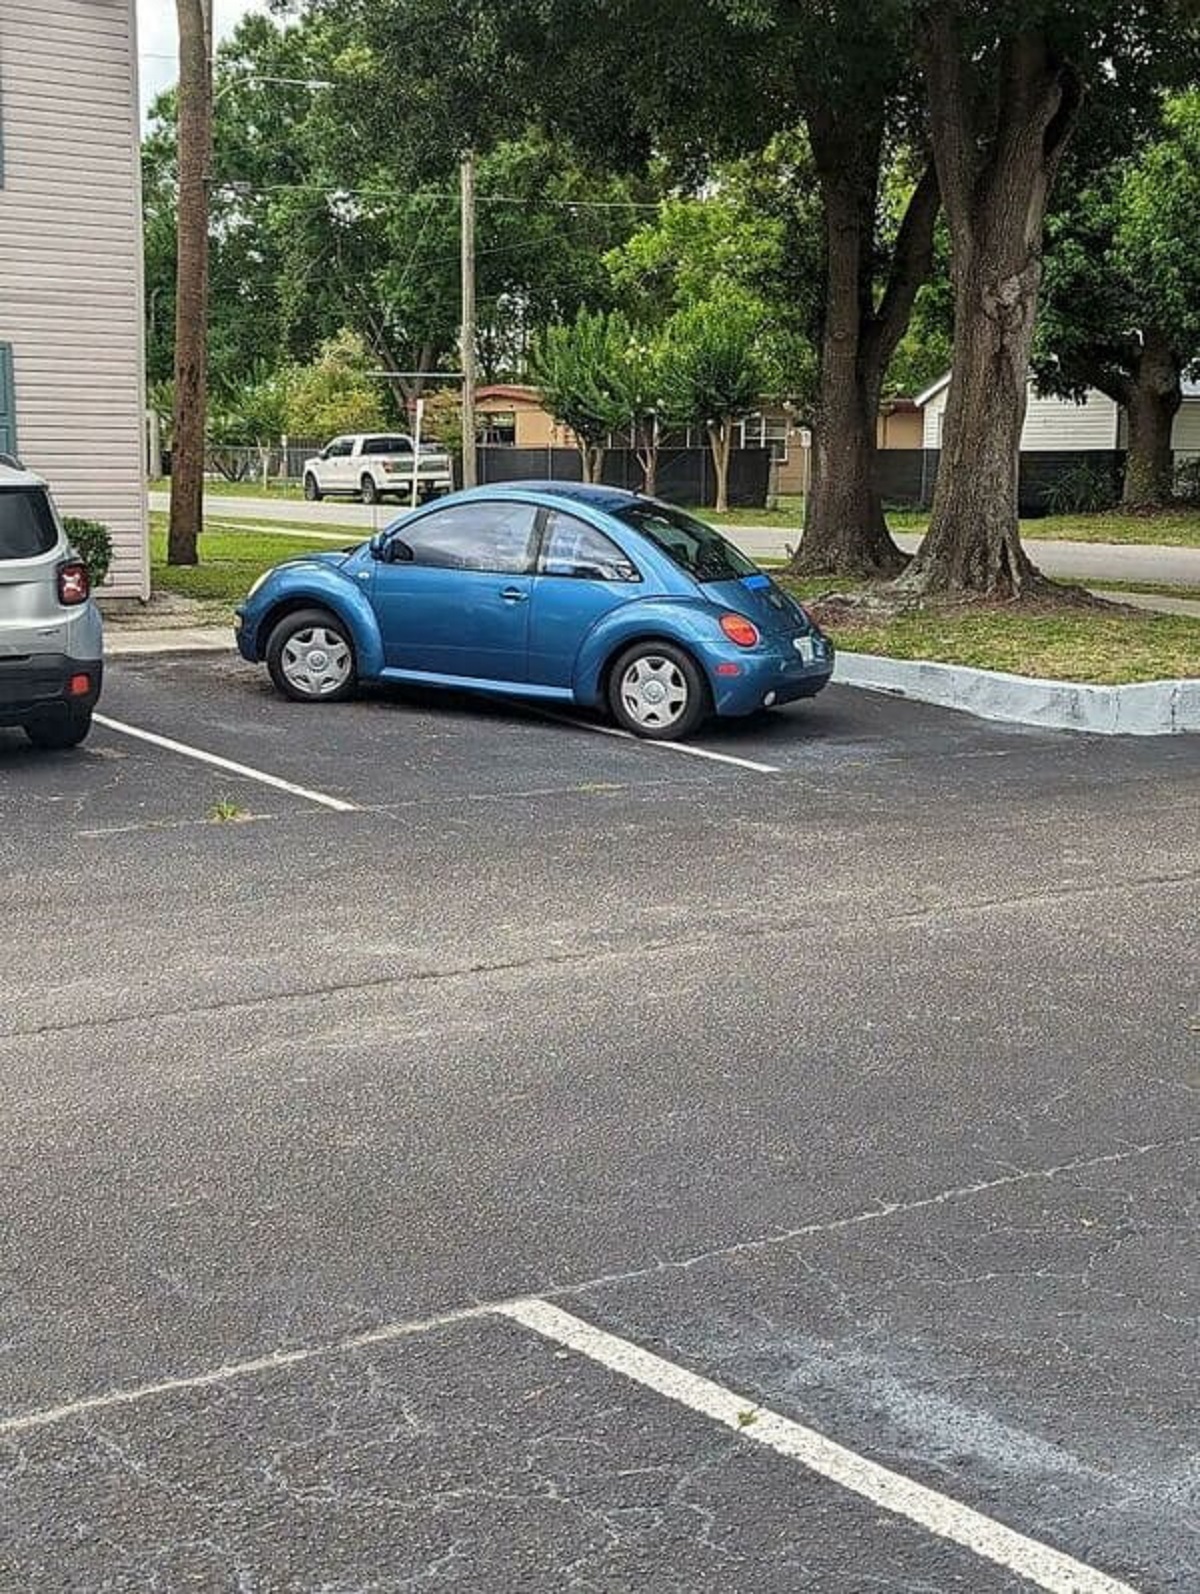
121, 641
1147, 708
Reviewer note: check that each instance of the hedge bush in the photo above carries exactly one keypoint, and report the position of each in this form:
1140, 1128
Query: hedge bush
93, 543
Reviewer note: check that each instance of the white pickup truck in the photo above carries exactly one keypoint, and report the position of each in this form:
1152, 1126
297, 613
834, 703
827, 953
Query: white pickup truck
369, 465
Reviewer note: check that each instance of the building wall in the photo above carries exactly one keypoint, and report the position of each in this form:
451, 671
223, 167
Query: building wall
1052, 425
899, 429
1185, 434
71, 261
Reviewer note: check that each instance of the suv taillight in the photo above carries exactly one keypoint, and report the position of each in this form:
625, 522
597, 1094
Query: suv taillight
73, 584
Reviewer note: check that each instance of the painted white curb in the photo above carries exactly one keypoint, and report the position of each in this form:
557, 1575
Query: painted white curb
1147, 708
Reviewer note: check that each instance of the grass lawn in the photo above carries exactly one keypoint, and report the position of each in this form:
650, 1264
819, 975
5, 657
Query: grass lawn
218, 487
1172, 528
1054, 644
230, 561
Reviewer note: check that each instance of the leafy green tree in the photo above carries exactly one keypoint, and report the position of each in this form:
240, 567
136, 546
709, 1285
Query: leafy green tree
1121, 310
335, 393
690, 83
713, 374
579, 368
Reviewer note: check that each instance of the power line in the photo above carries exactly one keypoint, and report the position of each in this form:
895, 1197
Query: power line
242, 186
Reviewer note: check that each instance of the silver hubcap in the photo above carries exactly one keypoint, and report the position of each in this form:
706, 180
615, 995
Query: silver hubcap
654, 692
316, 661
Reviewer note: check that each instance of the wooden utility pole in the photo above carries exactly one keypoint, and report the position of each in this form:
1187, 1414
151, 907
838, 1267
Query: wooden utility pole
195, 144
467, 337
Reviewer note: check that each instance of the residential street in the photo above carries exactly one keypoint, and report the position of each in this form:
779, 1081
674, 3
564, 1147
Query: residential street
1082, 561
851, 1064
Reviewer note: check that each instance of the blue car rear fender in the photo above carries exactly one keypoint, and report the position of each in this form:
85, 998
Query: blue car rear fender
690, 623
300, 585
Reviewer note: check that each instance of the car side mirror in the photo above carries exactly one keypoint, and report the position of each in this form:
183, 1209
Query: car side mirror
324, 454
391, 550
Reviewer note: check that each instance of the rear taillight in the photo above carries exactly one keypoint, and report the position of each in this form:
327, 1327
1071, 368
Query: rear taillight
738, 629
73, 584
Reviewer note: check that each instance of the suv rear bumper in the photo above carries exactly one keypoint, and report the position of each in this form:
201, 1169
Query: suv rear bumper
41, 683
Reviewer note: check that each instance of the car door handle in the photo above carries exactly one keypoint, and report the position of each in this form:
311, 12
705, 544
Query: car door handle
513, 594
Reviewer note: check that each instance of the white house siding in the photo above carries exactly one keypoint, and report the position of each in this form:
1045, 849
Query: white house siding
71, 261
1185, 434
1051, 425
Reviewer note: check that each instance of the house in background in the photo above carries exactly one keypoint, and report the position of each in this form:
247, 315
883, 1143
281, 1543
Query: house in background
71, 324
1060, 434
512, 416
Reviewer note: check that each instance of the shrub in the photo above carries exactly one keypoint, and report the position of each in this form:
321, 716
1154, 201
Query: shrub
1187, 480
1081, 490
93, 543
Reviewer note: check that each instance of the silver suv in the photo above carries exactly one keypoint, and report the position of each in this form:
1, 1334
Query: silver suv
50, 631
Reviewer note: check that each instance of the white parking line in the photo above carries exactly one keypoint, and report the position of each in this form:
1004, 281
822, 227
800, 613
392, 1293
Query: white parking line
938, 1513
338, 804
665, 747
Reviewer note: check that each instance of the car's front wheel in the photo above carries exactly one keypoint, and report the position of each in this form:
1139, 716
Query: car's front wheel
66, 728
368, 491
312, 489
310, 657
656, 690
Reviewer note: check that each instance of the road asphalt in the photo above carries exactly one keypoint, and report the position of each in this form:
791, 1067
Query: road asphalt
866, 1089
1081, 561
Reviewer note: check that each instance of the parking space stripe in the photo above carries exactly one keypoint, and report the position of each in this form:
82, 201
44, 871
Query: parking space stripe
686, 748
338, 804
939, 1514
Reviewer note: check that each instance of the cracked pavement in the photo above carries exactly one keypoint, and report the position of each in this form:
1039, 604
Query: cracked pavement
869, 1089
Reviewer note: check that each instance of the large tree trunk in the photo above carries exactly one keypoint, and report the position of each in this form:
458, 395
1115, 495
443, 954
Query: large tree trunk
996, 168
844, 527
191, 299
1153, 401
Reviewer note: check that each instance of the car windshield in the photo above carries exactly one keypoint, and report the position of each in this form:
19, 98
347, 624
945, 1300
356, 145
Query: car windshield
694, 547
27, 526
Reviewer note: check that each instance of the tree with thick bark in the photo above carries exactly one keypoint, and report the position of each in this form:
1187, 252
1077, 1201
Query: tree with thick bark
1121, 310
1004, 88
191, 286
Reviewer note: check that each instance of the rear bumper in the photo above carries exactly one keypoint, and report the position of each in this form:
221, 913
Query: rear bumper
41, 684
766, 679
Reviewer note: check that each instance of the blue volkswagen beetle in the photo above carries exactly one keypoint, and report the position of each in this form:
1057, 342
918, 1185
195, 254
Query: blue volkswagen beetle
543, 590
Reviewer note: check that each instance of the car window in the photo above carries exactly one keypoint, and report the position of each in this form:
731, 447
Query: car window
695, 547
27, 525
481, 536
387, 445
572, 548
339, 447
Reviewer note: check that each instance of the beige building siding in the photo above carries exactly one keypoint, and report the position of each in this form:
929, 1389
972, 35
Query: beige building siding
71, 261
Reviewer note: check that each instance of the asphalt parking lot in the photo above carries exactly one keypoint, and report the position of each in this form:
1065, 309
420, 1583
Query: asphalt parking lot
449, 1147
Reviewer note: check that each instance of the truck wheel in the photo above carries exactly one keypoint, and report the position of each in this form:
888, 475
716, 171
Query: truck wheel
312, 489
368, 491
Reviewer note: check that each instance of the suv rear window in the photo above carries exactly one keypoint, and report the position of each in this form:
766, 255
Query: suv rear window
27, 525
695, 547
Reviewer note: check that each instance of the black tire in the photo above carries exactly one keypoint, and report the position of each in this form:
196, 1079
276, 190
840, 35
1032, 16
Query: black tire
312, 489
61, 729
292, 626
680, 668
368, 491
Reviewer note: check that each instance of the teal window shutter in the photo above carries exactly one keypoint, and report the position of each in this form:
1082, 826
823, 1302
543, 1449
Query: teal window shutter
8, 402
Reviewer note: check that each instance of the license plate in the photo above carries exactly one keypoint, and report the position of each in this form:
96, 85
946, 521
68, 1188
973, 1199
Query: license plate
804, 647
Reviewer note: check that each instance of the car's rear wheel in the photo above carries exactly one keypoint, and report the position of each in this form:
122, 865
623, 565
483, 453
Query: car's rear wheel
656, 689
63, 728
312, 489
310, 657
368, 491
